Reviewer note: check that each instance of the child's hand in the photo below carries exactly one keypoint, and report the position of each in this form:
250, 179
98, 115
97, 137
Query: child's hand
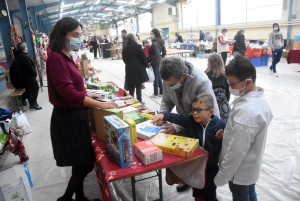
220, 134
158, 119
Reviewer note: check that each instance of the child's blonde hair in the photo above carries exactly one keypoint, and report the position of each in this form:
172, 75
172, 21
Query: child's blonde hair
216, 65
205, 98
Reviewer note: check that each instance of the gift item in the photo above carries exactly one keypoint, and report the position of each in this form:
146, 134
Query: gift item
137, 105
131, 101
132, 126
107, 87
129, 109
99, 119
176, 145
121, 104
147, 152
135, 117
118, 140
147, 130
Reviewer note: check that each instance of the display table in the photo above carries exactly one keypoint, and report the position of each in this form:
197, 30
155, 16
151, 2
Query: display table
115, 53
293, 57
107, 170
178, 52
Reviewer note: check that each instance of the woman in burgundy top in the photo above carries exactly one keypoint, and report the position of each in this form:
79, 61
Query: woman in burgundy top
70, 130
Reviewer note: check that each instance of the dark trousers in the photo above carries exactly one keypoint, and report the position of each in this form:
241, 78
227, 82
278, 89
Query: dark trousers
157, 81
95, 52
32, 90
224, 57
209, 192
138, 89
242, 193
276, 56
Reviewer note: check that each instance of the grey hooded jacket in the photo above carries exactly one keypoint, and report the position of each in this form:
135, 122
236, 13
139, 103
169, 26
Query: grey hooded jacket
154, 51
195, 83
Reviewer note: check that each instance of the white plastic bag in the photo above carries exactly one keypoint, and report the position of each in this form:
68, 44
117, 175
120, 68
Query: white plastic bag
16, 184
20, 121
150, 75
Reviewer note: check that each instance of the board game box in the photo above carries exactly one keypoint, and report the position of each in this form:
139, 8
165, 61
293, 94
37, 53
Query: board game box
147, 152
147, 130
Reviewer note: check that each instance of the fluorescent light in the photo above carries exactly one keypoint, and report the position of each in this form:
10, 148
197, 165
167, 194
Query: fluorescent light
100, 14
97, 2
65, 13
84, 14
146, 6
109, 9
121, 7
60, 15
81, 2
74, 11
96, 18
91, 8
67, 5
161, 1
121, 1
61, 10
62, 3
79, 20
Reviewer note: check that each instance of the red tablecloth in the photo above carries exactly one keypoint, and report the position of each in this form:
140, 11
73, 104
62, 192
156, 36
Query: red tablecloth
108, 170
293, 56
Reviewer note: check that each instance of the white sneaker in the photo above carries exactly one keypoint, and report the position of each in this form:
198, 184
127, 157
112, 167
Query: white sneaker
153, 96
275, 74
270, 71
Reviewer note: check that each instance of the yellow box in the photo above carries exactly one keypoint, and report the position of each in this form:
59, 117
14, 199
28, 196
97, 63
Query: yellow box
132, 127
176, 145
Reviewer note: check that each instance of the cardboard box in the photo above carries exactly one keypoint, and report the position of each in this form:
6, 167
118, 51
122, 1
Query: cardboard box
84, 66
147, 152
135, 117
132, 126
176, 145
121, 104
147, 130
99, 115
118, 140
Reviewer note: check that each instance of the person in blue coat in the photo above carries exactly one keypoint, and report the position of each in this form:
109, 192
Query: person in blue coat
203, 125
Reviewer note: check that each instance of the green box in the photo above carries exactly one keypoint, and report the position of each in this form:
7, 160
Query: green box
136, 117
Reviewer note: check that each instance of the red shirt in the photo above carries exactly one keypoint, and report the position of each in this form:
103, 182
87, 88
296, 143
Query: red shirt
146, 50
65, 82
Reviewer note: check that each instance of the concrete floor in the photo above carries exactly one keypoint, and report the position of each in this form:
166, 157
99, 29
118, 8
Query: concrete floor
280, 174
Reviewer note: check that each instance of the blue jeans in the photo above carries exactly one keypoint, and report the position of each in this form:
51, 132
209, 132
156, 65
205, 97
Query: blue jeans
242, 193
276, 56
157, 81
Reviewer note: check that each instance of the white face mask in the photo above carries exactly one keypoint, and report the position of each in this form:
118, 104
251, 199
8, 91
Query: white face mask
176, 86
276, 28
236, 92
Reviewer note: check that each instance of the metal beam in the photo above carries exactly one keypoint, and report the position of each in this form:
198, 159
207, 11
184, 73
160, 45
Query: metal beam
218, 15
5, 32
288, 36
39, 7
26, 29
33, 20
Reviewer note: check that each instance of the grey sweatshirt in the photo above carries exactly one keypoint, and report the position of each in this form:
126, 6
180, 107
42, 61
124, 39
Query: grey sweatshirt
155, 54
276, 40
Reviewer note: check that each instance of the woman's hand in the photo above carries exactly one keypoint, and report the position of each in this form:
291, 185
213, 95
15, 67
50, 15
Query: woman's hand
108, 105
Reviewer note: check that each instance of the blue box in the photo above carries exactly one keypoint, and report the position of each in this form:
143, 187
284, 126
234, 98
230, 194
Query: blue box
264, 60
256, 61
118, 140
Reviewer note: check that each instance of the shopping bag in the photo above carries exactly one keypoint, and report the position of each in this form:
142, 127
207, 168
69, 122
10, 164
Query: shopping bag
150, 75
20, 121
16, 184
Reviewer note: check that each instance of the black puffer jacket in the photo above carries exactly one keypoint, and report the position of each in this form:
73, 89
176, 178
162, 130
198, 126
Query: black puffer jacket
135, 60
26, 66
14, 76
239, 44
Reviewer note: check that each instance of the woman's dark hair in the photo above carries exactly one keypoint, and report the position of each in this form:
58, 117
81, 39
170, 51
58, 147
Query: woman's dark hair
242, 68
59, 32
224, 30
156, 33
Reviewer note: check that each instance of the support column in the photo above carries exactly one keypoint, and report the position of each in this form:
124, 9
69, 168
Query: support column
137, 24
117, 31
26, 29
5, 24
218, 15
288, 36
33, 19
11, 18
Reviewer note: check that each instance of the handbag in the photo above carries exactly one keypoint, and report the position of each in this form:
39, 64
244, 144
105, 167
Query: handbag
150, 75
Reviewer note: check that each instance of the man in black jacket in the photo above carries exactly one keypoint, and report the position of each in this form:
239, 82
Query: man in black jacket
239, 44
27, 73
179, 37
94, 43
16, 81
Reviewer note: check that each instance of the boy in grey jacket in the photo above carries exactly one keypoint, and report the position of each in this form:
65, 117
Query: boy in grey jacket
276, 44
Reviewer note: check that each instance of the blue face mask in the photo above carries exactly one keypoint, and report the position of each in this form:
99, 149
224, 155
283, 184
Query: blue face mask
151, 36
74, 43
